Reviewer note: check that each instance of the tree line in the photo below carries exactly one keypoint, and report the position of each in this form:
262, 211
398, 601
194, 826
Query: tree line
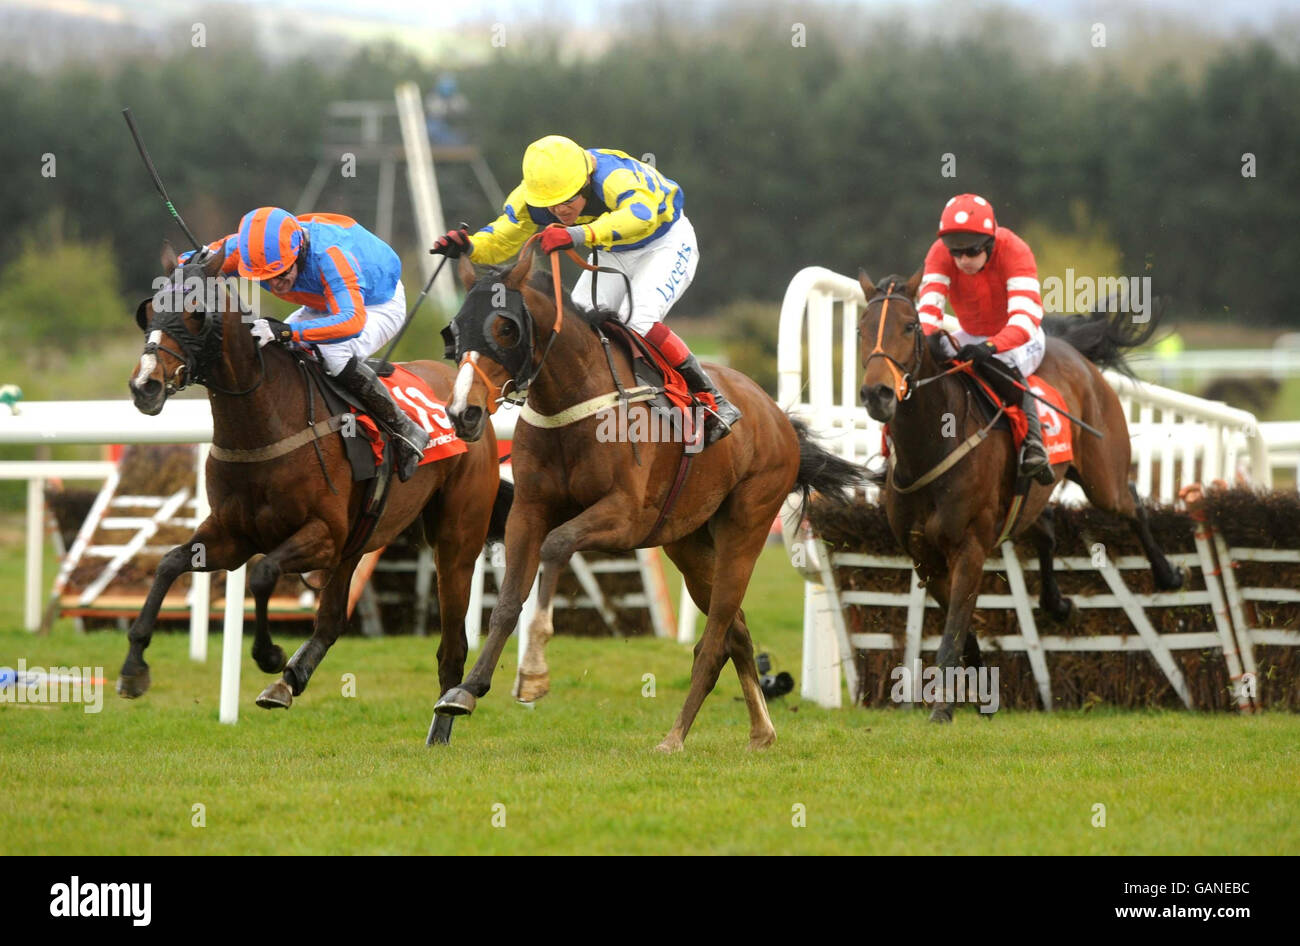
838, 154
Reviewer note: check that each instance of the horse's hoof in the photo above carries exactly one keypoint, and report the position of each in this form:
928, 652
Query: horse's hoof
531, 687
1176, 580
456, 702
762, 741
272, 661
1063, 612
941, 714
277, 696
129, 686
669, 746
440, 731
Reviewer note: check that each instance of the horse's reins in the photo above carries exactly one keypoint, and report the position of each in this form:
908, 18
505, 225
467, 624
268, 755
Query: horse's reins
498, 395
904, 386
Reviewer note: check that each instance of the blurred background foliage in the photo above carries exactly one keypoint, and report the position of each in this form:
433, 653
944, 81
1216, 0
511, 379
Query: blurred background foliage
1125, 161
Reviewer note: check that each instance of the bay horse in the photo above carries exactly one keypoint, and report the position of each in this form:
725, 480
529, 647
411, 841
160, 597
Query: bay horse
950, 524
576, 490
298, 507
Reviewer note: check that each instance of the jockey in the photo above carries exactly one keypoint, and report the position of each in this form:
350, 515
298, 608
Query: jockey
607, 199
348, 282
989, 276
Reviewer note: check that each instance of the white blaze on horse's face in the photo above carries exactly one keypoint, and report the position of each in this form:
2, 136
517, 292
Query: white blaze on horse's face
148, 362
464, 381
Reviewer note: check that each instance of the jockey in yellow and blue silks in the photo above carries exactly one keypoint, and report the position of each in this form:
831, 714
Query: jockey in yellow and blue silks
348, 285
606, 199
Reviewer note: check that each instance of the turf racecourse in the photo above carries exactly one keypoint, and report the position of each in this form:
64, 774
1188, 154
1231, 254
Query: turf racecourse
577, 774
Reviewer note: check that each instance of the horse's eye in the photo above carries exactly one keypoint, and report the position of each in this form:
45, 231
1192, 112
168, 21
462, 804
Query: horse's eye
909, 328
506, 333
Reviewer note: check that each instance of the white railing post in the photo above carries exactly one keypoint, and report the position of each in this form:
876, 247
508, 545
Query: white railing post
200, 582
232, 639
35, 552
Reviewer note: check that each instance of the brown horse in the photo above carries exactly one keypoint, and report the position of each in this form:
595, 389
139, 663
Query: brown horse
576, 490
299, 508
951, 523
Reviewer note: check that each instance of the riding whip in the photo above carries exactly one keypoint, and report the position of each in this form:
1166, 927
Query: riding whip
419, 300
1090, 429
153, 173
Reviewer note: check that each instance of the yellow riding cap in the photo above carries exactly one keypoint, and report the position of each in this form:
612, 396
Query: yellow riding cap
555, 169
629, 205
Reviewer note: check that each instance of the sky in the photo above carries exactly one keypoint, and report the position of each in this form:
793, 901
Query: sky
43, 33
1225, 15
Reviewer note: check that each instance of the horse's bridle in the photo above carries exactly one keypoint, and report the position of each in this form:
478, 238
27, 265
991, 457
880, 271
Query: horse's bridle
471, 331
903, 384
198, 351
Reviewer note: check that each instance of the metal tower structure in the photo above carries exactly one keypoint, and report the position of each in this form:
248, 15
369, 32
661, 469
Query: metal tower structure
378, 134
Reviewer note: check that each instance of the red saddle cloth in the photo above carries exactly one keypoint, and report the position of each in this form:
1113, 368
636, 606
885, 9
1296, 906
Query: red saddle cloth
1056, 428
420, 404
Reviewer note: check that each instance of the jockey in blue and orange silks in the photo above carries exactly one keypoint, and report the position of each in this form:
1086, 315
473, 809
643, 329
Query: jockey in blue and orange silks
989, 276
348, 284
605, 198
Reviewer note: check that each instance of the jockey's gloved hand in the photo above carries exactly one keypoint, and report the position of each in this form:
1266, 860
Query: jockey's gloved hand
453, 244
978, 353
559, 238
270, 330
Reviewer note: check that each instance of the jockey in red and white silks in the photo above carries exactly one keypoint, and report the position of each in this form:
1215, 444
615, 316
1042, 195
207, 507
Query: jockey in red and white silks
988, 275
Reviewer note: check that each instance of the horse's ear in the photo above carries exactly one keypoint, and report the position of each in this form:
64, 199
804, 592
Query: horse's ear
865, 282
914, 283
465, 270
519, 275
215, 262
168, 257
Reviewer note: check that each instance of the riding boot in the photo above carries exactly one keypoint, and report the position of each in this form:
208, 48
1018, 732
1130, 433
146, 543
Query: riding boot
716, 425
1034, 462
409, 437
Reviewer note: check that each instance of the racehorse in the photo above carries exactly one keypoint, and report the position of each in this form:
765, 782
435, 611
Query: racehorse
949, 518
576, 490
296, 507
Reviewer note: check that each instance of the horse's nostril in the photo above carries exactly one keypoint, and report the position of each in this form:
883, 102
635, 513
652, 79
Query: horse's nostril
471, 416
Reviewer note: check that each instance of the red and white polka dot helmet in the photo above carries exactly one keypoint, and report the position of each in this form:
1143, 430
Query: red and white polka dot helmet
967, 219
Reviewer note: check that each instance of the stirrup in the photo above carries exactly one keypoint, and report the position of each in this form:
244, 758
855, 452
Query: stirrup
1041, 471
719, 426
406, 459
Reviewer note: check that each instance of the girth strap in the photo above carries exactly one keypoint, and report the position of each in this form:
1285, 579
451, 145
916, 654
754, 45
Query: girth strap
280, 447
947, 463
587, 408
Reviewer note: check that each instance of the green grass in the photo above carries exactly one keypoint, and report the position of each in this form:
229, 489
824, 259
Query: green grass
578, 773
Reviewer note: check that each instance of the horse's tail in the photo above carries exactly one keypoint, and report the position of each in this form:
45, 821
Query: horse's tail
501, 510
823, 471
1102, 337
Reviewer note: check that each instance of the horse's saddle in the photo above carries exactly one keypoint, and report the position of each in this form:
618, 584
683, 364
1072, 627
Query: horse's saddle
335, 401
650, 369
986, 401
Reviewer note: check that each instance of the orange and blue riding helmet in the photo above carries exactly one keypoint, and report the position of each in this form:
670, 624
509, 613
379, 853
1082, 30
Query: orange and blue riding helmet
269, 241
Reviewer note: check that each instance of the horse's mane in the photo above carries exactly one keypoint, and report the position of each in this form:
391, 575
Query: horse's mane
1102, 337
